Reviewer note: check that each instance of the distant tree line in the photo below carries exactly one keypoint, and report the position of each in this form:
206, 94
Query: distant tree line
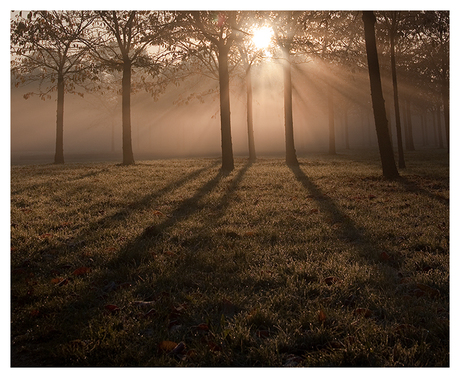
76, 51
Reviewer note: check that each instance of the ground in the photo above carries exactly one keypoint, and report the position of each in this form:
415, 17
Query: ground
173, 263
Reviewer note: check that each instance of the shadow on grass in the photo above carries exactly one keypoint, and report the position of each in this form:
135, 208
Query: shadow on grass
132, 254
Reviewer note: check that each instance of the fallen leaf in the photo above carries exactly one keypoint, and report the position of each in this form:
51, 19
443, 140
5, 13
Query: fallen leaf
429, 290
202, 327
35, 313
314, 211
112, 308
158, 212
321, 316
81, 271
371, 196
166, 346
384, 256
56, 280
46, 236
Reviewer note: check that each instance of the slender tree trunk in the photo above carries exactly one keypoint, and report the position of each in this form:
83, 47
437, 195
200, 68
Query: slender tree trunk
128, 157
445, 90
409, 137
438, 115
225, 127
330, 103
401, 161
445, 100
249, 115
59, 154
112, 149
291, 157
347, 139
378, 103
424, 128
435, 129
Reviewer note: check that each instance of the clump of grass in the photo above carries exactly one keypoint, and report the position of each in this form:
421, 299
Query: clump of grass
325, 265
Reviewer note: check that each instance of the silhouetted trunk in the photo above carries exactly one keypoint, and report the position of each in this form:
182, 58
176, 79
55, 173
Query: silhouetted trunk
378, 103
330, 103
408, 127
59, 155
249, 115
401, 161
345, 120
291, 157
424, 131
225, 127
445, 90
438, 115
128, 157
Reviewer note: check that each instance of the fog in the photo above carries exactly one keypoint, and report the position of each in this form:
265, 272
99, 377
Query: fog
172, 127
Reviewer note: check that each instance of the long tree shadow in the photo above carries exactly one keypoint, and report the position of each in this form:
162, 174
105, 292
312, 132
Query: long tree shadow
136, 249
185, 210
326, 205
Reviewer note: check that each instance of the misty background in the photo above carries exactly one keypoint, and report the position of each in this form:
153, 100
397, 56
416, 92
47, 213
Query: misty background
177, 126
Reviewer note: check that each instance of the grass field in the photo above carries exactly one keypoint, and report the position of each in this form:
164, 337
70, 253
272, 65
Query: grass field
172, 263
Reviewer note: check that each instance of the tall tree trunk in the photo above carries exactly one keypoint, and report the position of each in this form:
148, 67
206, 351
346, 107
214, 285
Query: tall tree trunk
291, 157
128, 157
435, 130
445, 89
409, 136
347, 139
59, 154
225, 127
438, 115
378, 103
330, 104
401, 161
249, 115
424, 128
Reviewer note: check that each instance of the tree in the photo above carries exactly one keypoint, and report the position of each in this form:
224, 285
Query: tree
435, 34
45, 47
216, 32
392, 21
381, 124
288, 29
126, 40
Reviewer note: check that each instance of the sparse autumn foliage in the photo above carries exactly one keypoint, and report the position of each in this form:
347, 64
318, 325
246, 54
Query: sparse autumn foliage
46, 47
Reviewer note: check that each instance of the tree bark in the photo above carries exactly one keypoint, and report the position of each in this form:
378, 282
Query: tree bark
249, 115
59, 154
409, 137
347, 139
445, 90
128, 157
330, 103
225, 126
401, 161
381, 124
438, 115
291, 157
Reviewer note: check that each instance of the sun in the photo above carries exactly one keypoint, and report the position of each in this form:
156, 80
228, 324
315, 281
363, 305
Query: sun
262, 37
